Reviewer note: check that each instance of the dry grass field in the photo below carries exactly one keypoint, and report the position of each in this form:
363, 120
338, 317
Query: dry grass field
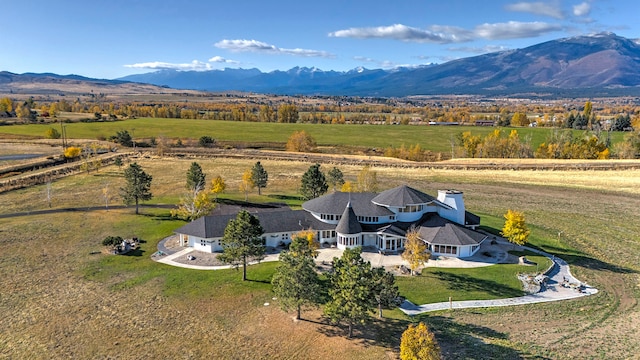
63, 298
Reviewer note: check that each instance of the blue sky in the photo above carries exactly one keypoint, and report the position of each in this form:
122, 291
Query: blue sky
110, 39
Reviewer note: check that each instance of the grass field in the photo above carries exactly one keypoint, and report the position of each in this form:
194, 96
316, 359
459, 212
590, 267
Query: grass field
64, 298
434, 138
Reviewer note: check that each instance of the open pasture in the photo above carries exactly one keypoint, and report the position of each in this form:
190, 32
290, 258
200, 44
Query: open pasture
64, 298
434, 138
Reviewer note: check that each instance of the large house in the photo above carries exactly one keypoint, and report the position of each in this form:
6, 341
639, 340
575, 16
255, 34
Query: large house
347, 220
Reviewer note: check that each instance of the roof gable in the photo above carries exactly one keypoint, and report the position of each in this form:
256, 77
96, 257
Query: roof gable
402, 196
348, 223
284, 220
335, 203
437, 230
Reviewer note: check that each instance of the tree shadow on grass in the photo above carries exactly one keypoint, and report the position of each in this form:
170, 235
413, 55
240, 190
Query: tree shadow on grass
246, 204
109, 174
161, 217
284, 197
489, 230
466, 283
469, 341
376, 332
136, 252
258, 280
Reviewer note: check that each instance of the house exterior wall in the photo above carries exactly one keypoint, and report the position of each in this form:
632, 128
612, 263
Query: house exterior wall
327, 237
277, 239
369, 239
205, 245
450, 205
349, 241
462, 251
453, 199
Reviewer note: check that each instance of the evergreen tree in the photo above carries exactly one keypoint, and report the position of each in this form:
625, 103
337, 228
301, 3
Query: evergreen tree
385, 291
621, 123
242, 241
137, 187
335, 178
259, 176
569, 121
295, 282
196, 179
350, 289
123, 138
314, 183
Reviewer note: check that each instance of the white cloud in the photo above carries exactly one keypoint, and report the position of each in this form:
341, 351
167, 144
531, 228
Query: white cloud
514, 30
404, 33
443, 34
385, 64
583, 9
538, 8
158, 65
479, 50
365, 59
220, 59
261, 47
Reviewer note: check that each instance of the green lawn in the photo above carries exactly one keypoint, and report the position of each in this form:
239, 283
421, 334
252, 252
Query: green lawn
435, 138
137, 268
484, 283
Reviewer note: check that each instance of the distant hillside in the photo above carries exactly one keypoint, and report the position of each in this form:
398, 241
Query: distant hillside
47, 83
604, 64
597, 65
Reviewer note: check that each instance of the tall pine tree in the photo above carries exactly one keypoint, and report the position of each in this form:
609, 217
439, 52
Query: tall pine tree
259, 176
314, 183
295, 282
137, 186
350, 288
196, 179
242, 241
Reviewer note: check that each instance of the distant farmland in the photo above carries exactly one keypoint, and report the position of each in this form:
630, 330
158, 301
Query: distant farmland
434, 138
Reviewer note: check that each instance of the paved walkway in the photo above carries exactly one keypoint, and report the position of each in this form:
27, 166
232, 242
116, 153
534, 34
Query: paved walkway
169, 260
559, 275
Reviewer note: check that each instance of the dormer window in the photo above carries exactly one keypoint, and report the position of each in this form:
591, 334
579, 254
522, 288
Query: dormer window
329, 217
411, 208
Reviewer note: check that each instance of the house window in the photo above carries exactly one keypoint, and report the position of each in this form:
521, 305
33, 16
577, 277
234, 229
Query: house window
445, 249
203, 242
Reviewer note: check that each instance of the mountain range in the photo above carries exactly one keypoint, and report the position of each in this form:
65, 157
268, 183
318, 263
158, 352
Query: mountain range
601, 64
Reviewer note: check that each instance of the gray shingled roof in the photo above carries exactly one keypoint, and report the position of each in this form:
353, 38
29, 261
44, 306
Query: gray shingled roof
335, 203
348, 223
402, 196
393, 230
437, 230
471, 218
284, 220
